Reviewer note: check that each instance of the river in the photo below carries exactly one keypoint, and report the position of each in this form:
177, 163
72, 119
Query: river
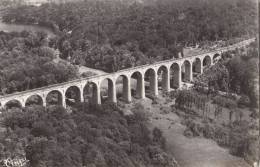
6, 27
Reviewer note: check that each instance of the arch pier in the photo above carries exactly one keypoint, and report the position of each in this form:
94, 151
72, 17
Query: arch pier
123, 86
186, 71
197, 66
108, 90
137, 85
175, 76
73, 95
207, 61
151, 79
91, 93
164, 78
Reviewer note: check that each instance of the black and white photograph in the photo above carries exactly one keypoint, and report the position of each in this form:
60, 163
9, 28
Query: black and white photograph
129, 83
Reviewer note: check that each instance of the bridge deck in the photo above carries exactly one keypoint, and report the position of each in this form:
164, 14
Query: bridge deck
242, 43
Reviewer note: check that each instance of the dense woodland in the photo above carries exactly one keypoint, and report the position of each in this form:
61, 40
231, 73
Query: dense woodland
112, 35
27, 62
91, 136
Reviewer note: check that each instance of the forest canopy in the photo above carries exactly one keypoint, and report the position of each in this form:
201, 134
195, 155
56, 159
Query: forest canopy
27, 62
90, 136
112, 35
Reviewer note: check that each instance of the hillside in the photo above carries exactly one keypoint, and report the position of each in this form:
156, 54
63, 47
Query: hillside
113, 35
89, 136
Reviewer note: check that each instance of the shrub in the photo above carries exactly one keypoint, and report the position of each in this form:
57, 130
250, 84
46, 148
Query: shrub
159, 138
173, 94
243, 142
237, 144
188, 133
196, 128
208, 130
254, 113
200, 87
244, 101
155, 100
224, 102
221, 136
252, 149
160, 158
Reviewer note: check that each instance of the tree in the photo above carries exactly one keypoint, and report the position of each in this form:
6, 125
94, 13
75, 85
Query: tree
66, 49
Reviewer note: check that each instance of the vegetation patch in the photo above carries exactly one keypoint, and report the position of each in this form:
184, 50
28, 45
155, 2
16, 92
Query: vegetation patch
27, 62
128, 33
89, 136
239, 133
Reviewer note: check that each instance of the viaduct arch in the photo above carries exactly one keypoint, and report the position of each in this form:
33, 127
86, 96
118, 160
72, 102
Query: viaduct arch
133, 81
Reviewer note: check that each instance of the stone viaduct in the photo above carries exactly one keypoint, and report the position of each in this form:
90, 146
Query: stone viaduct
163, 74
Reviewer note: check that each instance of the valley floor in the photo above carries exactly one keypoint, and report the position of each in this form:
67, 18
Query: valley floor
189, 152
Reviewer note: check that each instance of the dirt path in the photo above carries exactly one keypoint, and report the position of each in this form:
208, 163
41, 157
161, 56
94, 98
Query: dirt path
189, 152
